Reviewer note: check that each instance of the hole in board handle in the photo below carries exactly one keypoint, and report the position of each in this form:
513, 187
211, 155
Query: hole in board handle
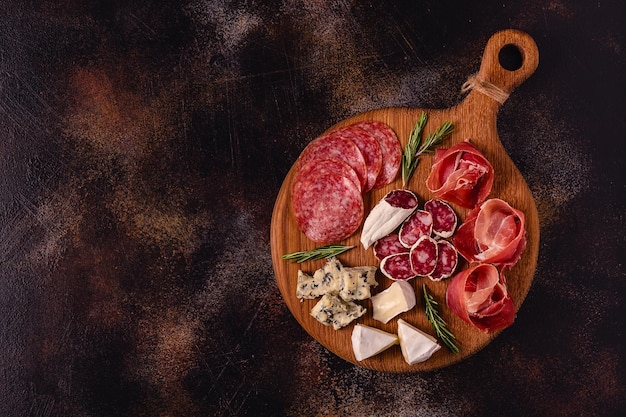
510, 57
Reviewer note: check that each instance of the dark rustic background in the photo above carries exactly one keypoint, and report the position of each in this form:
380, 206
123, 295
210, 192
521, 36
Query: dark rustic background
142, 145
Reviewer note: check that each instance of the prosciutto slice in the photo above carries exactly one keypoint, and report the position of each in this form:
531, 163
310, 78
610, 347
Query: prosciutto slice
461, 175
479, 296
492, 233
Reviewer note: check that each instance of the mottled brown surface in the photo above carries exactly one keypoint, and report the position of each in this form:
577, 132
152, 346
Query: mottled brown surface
142, 145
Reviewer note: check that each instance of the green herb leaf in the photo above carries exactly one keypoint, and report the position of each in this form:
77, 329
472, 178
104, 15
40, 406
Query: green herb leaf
409, 158
438, 324
416, 147
317, 253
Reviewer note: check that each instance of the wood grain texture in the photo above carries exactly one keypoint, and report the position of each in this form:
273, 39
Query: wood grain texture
474, 119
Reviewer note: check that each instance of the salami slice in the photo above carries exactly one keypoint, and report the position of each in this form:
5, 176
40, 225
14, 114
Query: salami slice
424, 256
418, 224
388, 245
397, 267
444, 218
328, 207
370, 149
322, 166
447, 260
336, 147
390, 147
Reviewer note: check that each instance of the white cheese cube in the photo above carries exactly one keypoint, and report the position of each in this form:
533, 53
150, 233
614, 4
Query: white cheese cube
369, 341
416, 345
333, 311
396, 299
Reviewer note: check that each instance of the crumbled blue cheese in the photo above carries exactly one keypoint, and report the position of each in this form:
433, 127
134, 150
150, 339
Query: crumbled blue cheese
324, 281
416, 345
357, 281
350, 283
309, 287
333, 311
369, 341
396, 299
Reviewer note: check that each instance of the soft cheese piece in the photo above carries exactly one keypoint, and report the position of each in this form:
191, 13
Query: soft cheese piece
396, 299
357, 281
333, 311
369, 341
416, 345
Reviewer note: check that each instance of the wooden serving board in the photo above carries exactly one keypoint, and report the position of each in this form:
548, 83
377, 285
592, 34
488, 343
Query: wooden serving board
475, 119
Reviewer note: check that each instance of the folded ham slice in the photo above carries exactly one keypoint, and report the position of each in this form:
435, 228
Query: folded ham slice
492, 233
479, 296
461, 175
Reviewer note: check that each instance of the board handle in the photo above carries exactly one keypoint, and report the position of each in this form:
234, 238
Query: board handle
510, 57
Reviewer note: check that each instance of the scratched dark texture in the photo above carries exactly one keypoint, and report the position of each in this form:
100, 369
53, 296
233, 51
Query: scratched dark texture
142, 145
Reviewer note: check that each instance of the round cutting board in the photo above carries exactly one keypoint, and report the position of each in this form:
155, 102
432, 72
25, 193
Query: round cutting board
474, 119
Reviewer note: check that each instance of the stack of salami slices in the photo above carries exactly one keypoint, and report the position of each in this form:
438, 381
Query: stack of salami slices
334, 171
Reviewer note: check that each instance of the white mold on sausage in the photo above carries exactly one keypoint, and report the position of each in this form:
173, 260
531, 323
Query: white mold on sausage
387, 215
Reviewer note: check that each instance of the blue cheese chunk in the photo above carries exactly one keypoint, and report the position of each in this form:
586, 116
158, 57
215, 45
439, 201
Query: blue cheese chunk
325, 280
350, 283
357, 281
333, 311
309, 287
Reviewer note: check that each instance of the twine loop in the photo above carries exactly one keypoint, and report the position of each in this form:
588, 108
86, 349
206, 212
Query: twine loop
484, 87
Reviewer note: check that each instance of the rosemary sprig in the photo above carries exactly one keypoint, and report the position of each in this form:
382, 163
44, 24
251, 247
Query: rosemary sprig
409, 158
438, 324
317, 253
414, 149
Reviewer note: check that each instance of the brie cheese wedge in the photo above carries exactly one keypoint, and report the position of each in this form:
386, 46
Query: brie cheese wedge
369, 341
416, 345
396, 299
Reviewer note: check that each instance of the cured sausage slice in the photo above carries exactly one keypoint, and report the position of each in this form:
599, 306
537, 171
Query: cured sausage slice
388, 245
321, 166
327, 207
370, 149
387, 215
461, 175
390, 147
492, 233
479, 296
444, 218
418, 224
401, 199
336, 147
447, 260
397, 267
424, 256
